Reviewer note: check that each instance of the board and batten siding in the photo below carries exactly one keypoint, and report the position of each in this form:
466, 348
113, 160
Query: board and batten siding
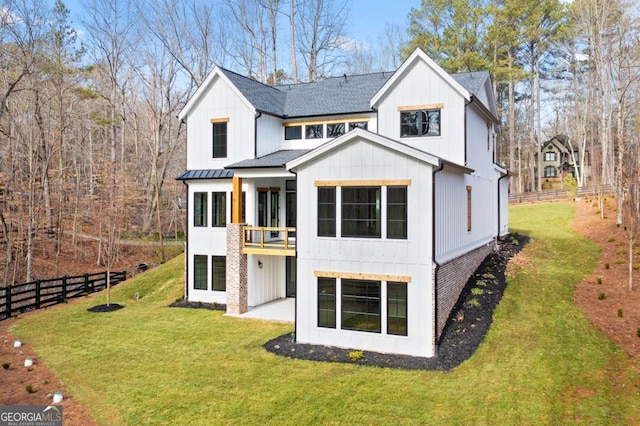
421, 85
361, 160
220, 101
265, 283
207, 240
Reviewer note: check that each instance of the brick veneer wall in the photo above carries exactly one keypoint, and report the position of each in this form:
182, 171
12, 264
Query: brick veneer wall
236, 271
451, 279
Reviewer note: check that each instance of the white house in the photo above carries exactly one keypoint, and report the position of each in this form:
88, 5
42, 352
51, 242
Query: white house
371, 199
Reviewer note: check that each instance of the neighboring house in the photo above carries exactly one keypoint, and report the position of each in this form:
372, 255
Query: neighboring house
559, 158
371, 199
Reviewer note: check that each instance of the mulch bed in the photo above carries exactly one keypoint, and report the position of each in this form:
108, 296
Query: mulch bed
465, 329
105, 308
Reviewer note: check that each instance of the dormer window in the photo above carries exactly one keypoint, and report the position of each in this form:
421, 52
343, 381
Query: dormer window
419, 122
219, 134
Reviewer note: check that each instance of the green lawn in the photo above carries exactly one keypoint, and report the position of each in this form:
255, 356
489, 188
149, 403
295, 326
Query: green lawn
541, 363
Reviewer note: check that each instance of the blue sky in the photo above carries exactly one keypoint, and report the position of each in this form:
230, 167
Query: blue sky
369, 17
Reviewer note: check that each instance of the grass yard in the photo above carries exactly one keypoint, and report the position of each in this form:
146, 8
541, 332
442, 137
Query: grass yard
541, 363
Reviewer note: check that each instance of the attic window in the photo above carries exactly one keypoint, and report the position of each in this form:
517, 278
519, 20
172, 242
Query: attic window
420, 123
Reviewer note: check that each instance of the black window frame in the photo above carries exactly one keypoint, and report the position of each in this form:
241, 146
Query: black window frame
314, 131
361, 308
357, 206
397, 308
335, 129
358, 125
200, 207
218, 273
421, 123
200, 271
549, 156
218, 209
292, 133
219, 139
552, 169
397, 213
327, 300
326, 211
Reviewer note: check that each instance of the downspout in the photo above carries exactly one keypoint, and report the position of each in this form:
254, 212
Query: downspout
295, 305
499, 205
255, 133
433, 257
465, 130
186, 246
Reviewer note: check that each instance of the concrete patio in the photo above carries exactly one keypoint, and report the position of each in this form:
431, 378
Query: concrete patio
278, 310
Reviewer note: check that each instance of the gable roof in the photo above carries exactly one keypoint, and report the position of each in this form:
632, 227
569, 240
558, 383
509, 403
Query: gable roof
368, 136
330, 96
417, 55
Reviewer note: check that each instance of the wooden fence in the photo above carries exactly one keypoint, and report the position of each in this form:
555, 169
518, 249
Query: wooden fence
555, 194
42, 293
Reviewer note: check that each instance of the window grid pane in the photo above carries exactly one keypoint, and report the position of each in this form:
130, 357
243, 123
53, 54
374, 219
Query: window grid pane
327, 211
200, 209
397, 308
219, 140
219, 209
361, 212
200, 272
327, 302
361, 305
219, 273
397, 212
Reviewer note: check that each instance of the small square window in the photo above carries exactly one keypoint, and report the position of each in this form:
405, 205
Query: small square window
358, 125
335, 129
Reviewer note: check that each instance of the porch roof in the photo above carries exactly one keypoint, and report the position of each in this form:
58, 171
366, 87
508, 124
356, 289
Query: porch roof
275, 159
205, 174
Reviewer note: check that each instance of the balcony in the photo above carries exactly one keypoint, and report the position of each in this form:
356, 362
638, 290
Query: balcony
270, 241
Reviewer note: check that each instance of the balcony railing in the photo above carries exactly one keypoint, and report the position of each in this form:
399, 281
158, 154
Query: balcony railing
269, 240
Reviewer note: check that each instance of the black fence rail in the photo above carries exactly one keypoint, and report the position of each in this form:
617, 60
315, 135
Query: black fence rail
556, 194
42, 293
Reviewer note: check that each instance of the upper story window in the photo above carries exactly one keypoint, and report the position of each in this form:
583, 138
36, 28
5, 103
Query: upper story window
200, 209
417, 123
219, 131
335, 129
361, 213
219, 211
550, 156
314, 131
358, 125
292, 132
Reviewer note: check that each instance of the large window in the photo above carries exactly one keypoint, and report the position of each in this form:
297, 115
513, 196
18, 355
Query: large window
361, 305
200, 272
397, 308
219, 140
200, 209
420, 123
397, 212
550, 156
361, 211
219, 273
327, 211
549, 171
327, 302
219, 214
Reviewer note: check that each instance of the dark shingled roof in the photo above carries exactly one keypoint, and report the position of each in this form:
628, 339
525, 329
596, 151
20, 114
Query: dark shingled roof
472, 81
275, 159
335, 95
206, 174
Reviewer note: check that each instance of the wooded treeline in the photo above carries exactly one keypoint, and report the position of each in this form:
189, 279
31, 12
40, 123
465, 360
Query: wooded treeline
89, 97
